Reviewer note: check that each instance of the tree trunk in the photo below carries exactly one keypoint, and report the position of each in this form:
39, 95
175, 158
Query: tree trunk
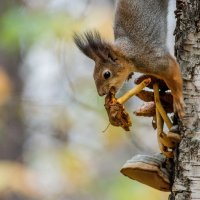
187, 49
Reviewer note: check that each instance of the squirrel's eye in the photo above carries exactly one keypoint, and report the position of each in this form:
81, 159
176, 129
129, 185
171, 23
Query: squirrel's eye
107, 74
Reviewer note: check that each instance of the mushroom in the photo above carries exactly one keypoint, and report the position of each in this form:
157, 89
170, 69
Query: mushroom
115, 109
148, 170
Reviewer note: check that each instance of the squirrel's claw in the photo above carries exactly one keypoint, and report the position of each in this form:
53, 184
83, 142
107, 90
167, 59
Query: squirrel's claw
179, 107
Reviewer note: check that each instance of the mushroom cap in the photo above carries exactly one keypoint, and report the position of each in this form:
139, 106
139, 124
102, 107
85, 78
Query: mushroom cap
148, 109
162, 84
148, 96
149, 171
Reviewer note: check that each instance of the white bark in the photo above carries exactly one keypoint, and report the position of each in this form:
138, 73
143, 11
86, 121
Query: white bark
187, 162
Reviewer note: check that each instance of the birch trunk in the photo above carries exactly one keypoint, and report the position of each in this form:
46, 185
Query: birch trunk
187, 49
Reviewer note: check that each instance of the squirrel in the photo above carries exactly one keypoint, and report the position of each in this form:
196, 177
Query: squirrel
140, 29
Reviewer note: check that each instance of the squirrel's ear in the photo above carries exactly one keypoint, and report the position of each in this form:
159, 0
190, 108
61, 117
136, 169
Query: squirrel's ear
82, 43
93, 46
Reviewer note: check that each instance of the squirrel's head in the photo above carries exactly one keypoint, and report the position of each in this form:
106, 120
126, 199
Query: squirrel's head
111, 68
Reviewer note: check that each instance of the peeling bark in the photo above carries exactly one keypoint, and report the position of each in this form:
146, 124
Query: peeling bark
187, 49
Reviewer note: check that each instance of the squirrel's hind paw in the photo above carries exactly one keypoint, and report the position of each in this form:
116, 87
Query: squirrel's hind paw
179, 107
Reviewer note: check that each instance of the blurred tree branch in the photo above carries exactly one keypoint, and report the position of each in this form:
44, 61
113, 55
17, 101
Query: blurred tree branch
11, 121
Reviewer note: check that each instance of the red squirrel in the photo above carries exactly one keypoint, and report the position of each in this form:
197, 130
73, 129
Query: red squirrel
140, 29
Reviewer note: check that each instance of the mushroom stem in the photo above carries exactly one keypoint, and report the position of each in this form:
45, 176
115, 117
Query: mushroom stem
163, 141
134, 91
161, 115
160, 107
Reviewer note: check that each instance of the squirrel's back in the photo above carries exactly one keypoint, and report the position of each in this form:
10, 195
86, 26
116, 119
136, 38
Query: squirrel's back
141, 25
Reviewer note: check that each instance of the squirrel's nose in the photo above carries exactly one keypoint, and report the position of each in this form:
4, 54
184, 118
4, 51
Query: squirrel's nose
101, 93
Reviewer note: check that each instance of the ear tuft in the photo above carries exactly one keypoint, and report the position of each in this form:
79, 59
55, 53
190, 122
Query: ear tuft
92, 45
82, 44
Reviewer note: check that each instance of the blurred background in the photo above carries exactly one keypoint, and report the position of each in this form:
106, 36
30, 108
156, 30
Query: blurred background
52, 140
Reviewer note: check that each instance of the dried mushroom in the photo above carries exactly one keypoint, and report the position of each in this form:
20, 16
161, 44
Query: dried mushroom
115, 109
147, 96
154, 80
116, 112
148, 109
